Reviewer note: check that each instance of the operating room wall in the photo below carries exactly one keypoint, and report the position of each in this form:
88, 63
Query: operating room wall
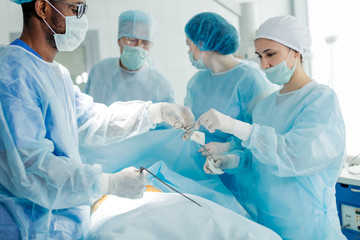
169, 50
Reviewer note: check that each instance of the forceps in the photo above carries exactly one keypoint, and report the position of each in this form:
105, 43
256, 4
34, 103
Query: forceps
188, 129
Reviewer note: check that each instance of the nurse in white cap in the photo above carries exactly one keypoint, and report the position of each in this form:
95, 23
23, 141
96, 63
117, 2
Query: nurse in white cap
297, 140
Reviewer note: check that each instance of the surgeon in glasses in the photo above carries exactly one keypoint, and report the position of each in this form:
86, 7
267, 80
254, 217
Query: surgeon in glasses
133, 76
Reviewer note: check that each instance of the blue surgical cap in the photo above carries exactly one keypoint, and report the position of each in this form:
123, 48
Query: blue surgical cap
137, 24
21, 1
210, 32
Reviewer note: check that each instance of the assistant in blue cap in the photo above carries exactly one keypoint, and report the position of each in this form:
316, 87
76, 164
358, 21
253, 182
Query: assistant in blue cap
230, 85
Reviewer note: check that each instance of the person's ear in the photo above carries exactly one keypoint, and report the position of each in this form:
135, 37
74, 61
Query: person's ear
42, 9
296, 54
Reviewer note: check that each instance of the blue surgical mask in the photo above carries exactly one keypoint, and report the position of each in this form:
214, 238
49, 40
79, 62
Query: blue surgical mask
133, 58
199, 64
75, 32
281, 73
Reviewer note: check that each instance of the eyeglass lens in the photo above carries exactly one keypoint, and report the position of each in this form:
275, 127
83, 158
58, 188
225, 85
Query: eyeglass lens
135, 42
81, 10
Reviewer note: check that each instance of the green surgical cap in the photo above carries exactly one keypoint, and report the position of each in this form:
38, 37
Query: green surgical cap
137, 24
21, 1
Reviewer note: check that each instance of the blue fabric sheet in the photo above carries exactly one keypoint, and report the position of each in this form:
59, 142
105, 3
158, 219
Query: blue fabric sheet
174, 161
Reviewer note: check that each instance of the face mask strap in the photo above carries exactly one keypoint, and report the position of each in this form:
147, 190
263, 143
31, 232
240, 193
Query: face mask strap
49, 26
55, 8
288, 55
200, 53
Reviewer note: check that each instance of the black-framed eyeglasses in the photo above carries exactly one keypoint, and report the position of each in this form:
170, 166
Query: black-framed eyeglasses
81, 8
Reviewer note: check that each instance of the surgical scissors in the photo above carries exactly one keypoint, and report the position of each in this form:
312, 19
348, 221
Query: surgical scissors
188, 129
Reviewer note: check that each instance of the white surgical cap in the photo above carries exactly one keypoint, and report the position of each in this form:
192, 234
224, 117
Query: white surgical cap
21, 1
137, 24
288, 31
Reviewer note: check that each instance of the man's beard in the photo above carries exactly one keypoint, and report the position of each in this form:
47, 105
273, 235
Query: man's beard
50, 37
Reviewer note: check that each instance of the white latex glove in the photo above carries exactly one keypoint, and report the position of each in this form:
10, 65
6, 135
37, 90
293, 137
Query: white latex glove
221, 163
214, 148
174, 114
213, 120
127, 183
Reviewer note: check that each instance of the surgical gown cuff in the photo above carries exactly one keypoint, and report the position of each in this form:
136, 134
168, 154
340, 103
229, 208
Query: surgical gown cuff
242, 130
252, 137
97, 188
155, 113
104, 183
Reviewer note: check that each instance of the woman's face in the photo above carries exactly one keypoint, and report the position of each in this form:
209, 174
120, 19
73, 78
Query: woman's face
192, 47
272, 53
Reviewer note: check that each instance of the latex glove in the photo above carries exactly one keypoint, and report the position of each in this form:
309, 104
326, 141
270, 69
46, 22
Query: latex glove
214, 148
221, 163
128, 183
213, 120
174, 114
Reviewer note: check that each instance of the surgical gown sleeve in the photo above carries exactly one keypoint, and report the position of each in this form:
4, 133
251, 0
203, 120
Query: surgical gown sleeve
32, 165
314, 141
99, 124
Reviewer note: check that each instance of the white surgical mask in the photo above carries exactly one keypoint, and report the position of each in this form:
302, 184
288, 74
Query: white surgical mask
133, 58
281, 73
75, 32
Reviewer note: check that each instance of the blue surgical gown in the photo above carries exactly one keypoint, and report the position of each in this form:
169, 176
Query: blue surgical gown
108, 82
234, 93
45, 186
298, 148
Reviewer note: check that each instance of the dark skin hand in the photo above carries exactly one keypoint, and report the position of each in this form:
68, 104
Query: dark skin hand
37, 34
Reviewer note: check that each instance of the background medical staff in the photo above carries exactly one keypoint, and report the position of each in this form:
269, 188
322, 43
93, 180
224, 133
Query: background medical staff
297, 139
133, 76
229, 85
46, 188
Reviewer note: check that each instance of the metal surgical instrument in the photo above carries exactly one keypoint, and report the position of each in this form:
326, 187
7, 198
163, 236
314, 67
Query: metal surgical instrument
142, 169
188, 129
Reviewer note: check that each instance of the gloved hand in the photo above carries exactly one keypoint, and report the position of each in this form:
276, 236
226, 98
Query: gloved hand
222, 162
213, 120
214, 148
174, 114
127, 183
